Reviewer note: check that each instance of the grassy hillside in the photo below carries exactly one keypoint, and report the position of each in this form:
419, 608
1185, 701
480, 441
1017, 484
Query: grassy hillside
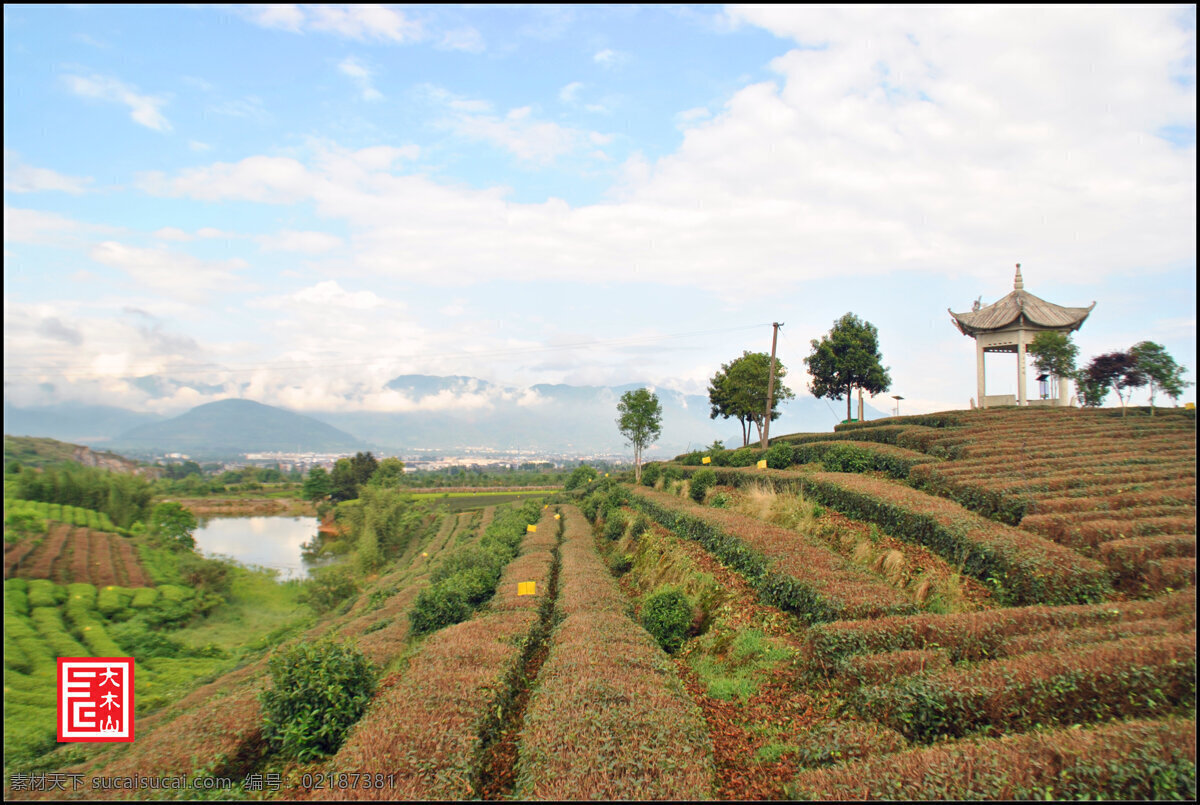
970, 605
33, 451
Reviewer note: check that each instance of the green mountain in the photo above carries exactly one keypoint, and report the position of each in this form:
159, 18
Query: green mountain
236, 426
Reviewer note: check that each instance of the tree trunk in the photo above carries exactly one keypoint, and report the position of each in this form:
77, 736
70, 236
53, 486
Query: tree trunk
849, 394
637, 465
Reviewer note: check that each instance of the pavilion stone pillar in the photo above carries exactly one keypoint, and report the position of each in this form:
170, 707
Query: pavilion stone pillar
1020, 367
980, 375
1014, 320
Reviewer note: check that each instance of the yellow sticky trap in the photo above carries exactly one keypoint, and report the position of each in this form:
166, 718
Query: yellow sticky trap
762, 465
424, 554
706, 460
530, 529
557, 516
606, 475
527, 588
546, 506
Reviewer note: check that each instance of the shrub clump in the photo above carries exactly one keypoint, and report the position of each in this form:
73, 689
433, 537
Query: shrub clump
580, 477
701, 482
667, 615
614, 525
779, 457
318, 691
328, 587
650, 474
744, 456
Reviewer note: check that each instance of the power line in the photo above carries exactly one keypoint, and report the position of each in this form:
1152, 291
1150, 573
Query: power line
291, 367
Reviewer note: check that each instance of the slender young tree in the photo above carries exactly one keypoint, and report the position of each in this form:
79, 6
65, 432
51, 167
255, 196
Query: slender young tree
1053, 353
739, 391
846, 358
1116, 370
1161, 371
640, 422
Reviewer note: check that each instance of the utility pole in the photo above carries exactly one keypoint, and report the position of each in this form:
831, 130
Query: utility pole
770, 385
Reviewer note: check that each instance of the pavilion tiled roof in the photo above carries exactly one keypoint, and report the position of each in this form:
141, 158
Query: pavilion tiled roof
1020, 303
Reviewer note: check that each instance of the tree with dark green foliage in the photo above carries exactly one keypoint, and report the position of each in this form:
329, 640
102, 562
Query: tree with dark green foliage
739, 391
640, 422
580, 477
174, 524
1117, 371
846, 358
351, 473
319, 690
389, 473
1054, 353
1162, 372
317, 485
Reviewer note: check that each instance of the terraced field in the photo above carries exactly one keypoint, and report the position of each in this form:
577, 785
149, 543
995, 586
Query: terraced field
80, 546
1074, 676
970, 605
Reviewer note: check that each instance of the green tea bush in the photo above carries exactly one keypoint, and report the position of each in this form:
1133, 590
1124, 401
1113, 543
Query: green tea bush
139, 641
780, 456
692, 459
720, 458
437, 607
667, 615
319, 690
650, 474
615, 524
847, 458
45, 593
591, 506
701, 482
744, 456
641, 524
328, 587
143, 597
15, 598
721, 500
112, 599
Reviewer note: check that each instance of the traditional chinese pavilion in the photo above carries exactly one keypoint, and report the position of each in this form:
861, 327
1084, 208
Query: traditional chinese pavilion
1010, 325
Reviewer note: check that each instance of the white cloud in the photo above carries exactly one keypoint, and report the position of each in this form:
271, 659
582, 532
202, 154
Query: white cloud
37, 226
22, 178
196, 145
248, 108
177, 275
284, 16
306, 242
691, 116
467, 39
568, 93
144, 109
353, 21
610, 58
519, 131
172, 233
361, 76
178, 235
938, 142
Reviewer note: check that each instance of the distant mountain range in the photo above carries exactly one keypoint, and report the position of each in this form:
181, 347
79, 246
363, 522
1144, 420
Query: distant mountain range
440, 413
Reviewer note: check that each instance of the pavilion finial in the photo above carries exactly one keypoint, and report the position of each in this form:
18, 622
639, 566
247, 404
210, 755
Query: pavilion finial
1018, 283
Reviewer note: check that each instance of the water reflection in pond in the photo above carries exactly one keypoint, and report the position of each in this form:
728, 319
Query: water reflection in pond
271, 542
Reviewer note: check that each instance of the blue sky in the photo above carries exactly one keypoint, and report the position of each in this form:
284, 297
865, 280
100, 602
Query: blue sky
298, 203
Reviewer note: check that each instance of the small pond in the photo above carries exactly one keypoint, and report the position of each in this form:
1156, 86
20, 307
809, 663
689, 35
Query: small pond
270, 542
